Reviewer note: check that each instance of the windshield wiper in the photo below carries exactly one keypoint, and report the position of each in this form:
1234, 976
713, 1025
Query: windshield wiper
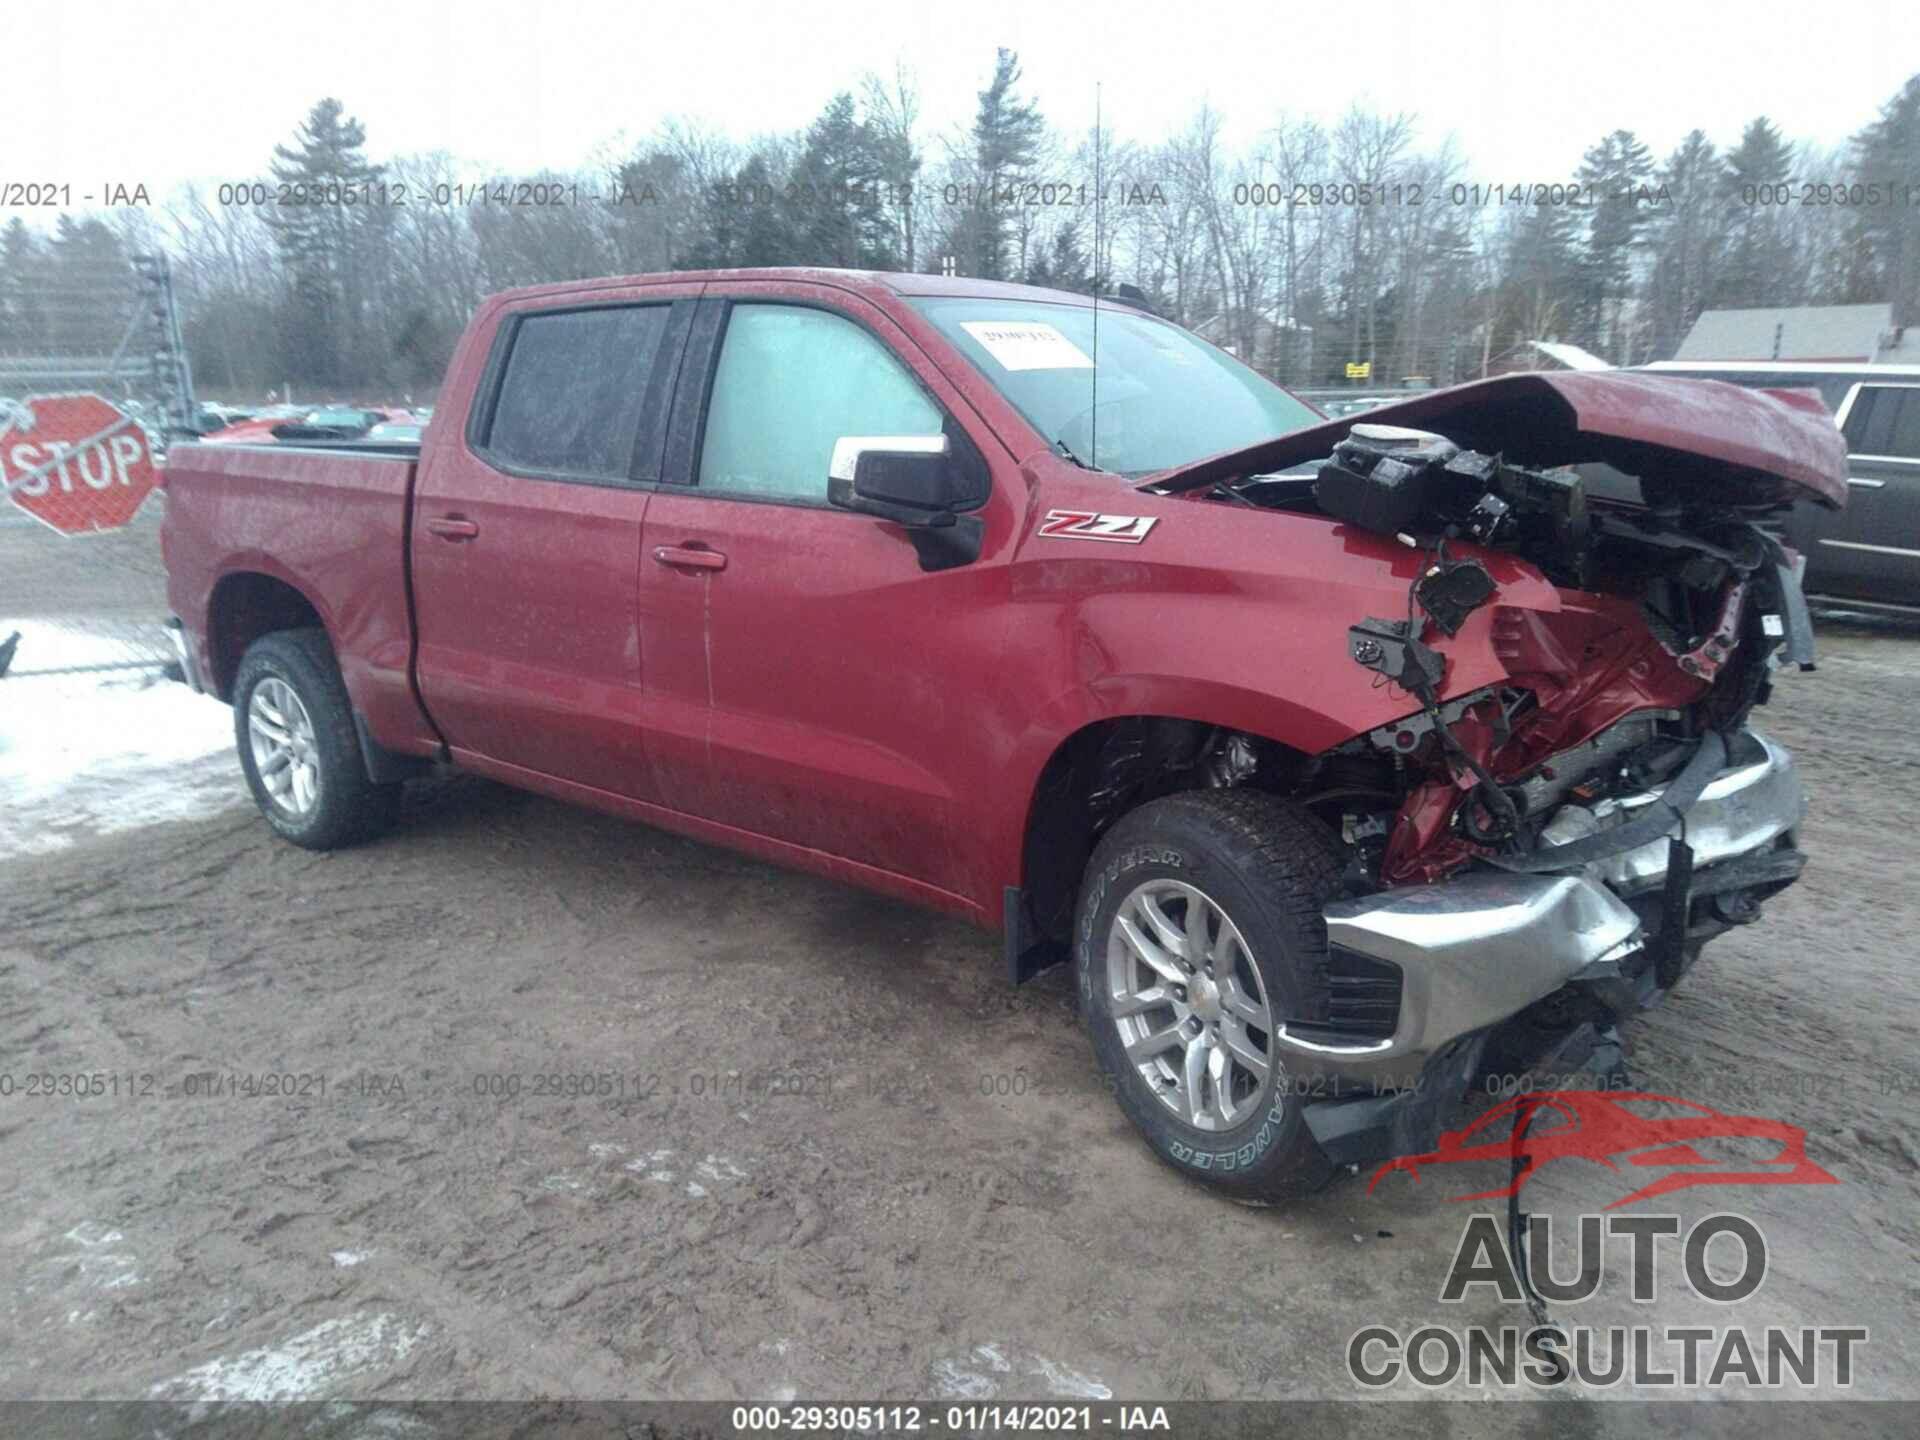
1060, 448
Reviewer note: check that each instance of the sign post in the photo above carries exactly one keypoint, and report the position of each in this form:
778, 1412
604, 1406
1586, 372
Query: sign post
74, 462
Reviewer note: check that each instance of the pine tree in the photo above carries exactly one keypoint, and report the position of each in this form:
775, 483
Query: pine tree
843, 218
1887, 236
1759, 266
319, 240
748, 221
1063, 265
23, 318
1007, 131
1687, 241
1615, 172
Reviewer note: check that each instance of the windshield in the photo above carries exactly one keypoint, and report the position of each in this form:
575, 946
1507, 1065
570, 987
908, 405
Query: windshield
1165, 398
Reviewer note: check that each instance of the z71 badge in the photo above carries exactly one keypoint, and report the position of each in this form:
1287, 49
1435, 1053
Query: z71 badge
1091, 525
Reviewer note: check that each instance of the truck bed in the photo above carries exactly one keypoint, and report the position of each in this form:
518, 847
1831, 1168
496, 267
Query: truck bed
329, 522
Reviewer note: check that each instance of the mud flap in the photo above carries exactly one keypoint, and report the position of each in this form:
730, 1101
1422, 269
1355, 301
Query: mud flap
1027, 953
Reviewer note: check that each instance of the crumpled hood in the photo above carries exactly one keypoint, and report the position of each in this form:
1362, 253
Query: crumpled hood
1724, 442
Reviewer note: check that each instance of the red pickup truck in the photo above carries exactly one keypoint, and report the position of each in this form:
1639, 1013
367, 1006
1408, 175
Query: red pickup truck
1343, 761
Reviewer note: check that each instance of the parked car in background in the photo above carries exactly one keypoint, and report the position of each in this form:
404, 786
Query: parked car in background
1869, 553
397, 432
333, 423
257, 427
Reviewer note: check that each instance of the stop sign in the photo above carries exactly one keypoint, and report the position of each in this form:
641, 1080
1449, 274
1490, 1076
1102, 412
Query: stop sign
74, 461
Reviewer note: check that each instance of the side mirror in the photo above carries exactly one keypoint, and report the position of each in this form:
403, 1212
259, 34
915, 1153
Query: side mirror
909, 479
913, 481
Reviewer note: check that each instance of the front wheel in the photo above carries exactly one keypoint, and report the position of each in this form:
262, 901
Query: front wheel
1198, 931
298, 746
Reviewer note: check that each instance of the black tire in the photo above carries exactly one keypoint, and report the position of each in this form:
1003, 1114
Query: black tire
348, 808
1269, 867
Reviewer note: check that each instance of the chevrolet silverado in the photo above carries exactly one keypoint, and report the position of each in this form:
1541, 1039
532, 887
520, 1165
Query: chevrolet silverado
1344, 761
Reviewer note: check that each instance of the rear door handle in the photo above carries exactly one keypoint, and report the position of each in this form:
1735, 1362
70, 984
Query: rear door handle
452, 527
691, 557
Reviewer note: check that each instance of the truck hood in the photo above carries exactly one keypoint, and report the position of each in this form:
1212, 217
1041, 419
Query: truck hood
1719, 441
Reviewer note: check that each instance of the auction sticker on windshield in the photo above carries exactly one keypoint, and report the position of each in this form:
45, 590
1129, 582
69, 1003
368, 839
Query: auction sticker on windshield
1027, 345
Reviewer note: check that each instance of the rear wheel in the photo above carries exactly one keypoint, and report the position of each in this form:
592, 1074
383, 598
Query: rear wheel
298, 746
1199, 931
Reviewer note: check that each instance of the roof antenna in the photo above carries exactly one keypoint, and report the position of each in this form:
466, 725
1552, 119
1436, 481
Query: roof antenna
1099, 199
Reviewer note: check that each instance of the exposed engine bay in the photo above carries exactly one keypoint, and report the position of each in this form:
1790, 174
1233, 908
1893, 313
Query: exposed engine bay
1646, 507
1674, 614
1568, 802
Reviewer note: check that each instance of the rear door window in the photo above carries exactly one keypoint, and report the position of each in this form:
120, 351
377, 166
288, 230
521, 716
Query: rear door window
1885, 420
1905, 441
572, 391
1860, 418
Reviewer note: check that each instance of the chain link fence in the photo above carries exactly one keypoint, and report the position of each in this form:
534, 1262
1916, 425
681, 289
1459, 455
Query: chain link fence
90, 603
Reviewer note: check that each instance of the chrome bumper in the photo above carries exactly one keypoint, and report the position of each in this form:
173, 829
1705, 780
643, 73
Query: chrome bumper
1475, 950
183, 656
1755, 800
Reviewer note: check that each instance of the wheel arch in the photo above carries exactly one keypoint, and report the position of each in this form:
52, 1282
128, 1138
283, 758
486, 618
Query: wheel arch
1124, 744
245, 604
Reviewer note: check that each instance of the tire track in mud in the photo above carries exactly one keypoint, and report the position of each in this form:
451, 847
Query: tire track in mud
916, 1224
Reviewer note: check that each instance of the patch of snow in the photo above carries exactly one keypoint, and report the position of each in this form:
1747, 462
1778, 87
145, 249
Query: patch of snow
98, 1264
606, 1150
1070, 1383
561, 1182
719, 1169
96, 754
93, 1234
975, 1379
696, 1190
302, 1367
950, 1382
651, 1165
347, 1259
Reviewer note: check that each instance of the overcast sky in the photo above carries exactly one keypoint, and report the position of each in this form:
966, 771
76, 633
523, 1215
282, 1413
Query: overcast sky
98, 91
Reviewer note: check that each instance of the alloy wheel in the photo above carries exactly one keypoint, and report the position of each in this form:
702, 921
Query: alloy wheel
1189, 1004
284, 753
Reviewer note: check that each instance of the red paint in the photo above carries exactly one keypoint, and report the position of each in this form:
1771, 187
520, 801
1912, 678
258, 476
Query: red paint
1589, 664
812, 695
1714, 438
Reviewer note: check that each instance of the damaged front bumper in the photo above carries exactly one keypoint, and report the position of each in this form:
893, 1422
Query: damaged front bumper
1423, 975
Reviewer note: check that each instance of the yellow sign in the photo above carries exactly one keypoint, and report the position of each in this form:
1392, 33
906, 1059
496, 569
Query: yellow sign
1360, 370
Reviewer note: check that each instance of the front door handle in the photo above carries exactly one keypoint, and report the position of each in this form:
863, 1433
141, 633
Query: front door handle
452, 527
691, 557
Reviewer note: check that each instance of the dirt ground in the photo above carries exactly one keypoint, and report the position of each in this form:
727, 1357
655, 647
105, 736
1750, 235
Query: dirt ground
824, 1149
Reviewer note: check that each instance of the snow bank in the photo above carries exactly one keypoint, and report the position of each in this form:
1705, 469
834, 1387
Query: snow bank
95, 754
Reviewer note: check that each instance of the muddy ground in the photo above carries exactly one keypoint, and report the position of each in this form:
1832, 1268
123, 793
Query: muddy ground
826, 1151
